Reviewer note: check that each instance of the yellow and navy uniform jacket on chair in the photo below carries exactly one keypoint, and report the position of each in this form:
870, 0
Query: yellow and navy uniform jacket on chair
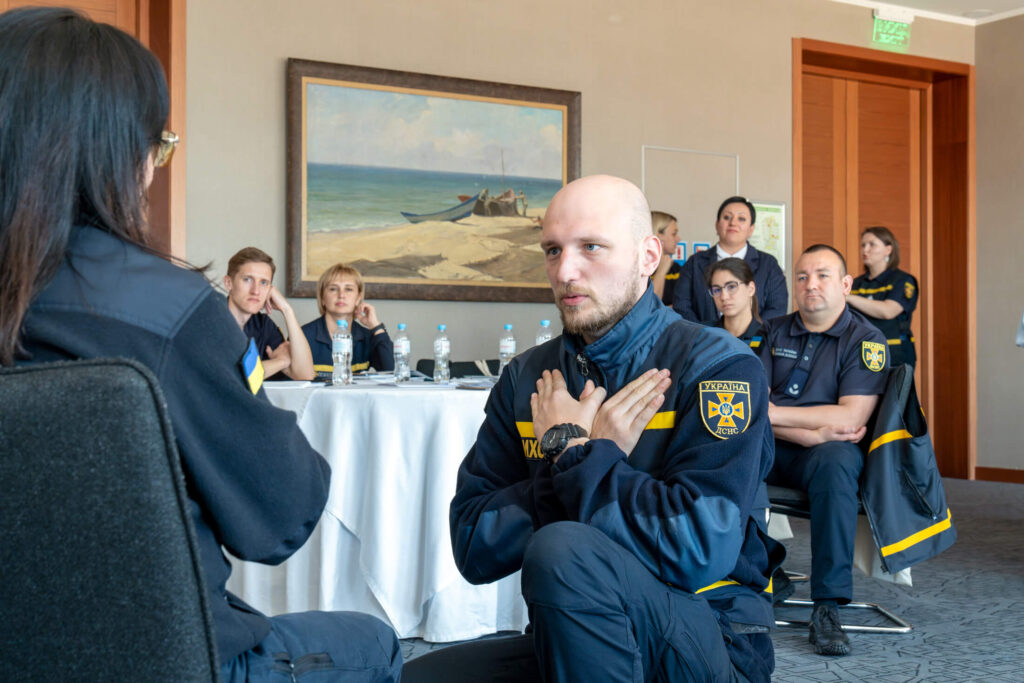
901, 487
893, 285
688, 502
368, 350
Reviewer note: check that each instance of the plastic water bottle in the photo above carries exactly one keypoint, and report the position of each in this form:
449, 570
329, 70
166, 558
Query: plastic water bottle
506, 347
544, 333
402, 350
442, 353
341, 354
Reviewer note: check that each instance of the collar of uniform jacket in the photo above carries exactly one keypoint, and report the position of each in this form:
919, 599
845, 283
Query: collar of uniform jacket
621, 353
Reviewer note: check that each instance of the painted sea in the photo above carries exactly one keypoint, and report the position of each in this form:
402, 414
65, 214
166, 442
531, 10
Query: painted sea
343, 198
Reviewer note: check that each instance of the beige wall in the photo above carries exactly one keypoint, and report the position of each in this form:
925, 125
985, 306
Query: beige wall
714, 76
1000, 155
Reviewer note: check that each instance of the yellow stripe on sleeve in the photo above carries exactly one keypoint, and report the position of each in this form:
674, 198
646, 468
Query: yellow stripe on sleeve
888, 437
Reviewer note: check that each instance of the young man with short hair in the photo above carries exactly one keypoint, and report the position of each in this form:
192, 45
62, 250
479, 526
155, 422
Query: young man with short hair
251, 297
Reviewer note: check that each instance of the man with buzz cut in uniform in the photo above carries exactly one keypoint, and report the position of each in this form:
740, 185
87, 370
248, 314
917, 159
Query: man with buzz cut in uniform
826, 368
620, 466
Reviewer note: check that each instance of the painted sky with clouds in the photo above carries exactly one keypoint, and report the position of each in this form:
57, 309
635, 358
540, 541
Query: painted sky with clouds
365, 127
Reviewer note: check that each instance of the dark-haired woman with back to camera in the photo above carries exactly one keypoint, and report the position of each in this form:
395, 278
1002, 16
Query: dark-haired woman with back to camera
731, 284
82, 111
886, 295
734, 224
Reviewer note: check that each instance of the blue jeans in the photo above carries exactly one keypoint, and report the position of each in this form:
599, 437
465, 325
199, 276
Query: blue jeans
317, 647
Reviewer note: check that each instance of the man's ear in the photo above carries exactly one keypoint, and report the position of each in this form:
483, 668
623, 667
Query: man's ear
650, 255
227, 283
847, 283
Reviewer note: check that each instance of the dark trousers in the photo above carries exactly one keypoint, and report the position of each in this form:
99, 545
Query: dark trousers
829, 473
599, 615
318, 647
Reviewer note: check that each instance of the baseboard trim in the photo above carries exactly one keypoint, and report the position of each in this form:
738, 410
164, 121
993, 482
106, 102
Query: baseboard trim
999, 474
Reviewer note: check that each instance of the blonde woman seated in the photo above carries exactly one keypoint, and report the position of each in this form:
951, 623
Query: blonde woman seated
665, 277
731, 284
340, 297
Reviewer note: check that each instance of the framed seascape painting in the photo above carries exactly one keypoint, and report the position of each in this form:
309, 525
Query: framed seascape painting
433, 187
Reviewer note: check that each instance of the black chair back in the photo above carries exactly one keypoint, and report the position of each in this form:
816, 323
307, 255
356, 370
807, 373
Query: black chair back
457, 368
101, 578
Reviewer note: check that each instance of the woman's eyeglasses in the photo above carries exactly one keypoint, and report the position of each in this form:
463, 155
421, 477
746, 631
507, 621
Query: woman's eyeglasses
165, 150
729, 288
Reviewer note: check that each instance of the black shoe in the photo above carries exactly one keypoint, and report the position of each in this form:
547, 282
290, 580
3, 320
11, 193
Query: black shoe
827, 633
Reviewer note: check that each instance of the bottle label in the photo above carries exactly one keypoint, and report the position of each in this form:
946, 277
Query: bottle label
507, 346
442, 347
341, 346
403, 346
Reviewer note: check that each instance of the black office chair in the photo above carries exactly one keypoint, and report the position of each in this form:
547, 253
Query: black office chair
101, 575
459, 368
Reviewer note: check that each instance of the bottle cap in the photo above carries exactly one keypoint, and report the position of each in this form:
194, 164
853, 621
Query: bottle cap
545, 323
343, 324
401, 326
442, 327
508, 326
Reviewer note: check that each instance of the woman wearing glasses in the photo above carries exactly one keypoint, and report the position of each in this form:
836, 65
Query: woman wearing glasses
731, 285
83, 105
886, 295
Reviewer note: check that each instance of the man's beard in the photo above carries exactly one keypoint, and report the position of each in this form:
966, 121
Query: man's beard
603, 315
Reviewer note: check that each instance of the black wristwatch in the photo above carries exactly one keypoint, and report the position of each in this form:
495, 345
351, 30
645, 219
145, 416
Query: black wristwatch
558, 437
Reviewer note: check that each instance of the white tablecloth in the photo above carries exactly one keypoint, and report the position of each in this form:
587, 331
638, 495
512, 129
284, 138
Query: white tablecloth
382, 546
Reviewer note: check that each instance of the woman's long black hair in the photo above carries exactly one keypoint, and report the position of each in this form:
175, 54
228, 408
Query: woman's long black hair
82, 106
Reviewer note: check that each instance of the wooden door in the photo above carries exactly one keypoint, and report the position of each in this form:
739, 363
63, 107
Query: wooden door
862, 166
888, 139
160, 26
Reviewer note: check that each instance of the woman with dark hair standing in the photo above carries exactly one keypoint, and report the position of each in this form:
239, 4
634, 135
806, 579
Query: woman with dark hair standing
734, 225
82, 110
886, 295
731, 284
667, 274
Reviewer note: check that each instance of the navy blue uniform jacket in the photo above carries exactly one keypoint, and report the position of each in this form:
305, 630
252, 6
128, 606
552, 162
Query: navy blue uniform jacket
255, 485
694, 302
367, 349
893, 285
686, 503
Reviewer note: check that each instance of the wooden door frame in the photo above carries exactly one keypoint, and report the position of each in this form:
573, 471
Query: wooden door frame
954, 82
161, 28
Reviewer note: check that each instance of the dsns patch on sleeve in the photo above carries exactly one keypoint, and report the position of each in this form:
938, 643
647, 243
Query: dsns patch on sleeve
725, 407
873, 354
252, 367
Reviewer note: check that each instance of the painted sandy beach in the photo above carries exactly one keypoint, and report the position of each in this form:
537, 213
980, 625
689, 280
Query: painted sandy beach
481, 249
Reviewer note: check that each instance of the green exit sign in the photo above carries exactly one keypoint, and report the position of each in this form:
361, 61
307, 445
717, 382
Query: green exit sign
891, 34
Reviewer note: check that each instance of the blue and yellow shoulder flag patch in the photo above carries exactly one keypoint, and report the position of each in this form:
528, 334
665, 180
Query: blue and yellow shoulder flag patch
252, 367
725, 407
873, 354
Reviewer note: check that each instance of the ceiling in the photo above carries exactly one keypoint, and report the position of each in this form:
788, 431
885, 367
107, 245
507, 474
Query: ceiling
956, 11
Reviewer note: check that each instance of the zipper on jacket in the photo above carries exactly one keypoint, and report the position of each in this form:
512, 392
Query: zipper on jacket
581, 362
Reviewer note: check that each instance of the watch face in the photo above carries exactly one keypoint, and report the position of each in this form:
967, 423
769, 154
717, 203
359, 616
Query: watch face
552, 439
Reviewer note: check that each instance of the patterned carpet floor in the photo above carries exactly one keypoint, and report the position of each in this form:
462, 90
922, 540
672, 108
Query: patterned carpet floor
966, 605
